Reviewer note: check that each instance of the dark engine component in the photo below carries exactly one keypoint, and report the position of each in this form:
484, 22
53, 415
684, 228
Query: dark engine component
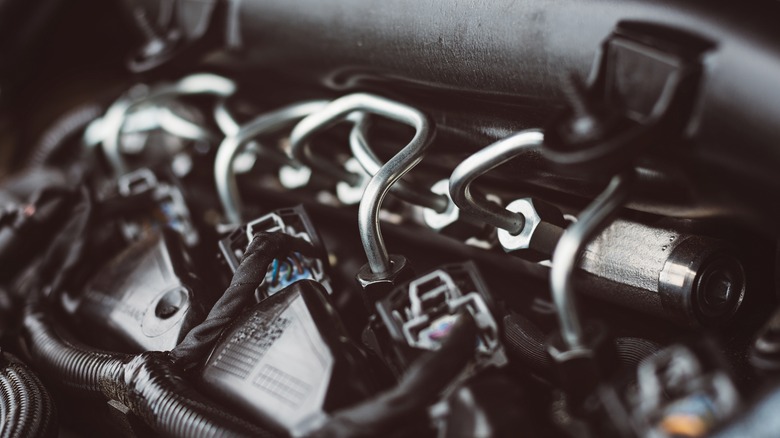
359, 218
282, 273
148, 296
288, 360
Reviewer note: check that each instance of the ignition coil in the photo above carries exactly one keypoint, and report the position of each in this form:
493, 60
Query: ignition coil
171, 209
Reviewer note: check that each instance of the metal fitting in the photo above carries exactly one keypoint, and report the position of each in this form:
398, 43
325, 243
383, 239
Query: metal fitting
581, 368
376, 286
440, 220
544, 225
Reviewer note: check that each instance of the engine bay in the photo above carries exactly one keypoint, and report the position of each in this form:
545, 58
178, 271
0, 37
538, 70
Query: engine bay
343, 218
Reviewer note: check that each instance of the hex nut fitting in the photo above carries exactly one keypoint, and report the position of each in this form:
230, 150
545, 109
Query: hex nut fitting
439, 221
543, 226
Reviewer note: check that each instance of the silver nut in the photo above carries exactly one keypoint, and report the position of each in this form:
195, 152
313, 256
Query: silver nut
438, 221
543, 225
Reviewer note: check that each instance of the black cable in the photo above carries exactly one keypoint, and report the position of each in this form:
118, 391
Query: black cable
26, 408
263, 249
419, 387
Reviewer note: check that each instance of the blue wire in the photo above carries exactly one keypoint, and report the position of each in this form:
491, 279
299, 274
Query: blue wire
292, 268
275, 272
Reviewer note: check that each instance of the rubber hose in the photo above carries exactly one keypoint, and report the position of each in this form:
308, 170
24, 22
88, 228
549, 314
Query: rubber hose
149, 384
63, 129
26, 408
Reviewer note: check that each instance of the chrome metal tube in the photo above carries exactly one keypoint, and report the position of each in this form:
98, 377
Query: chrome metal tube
362, 152
482, 162
386, 176
113, 120
232, 145
336, 112
226, 122
591, 221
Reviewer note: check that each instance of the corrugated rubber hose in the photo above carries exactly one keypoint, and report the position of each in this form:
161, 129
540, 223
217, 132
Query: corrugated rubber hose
26, 408
65, 128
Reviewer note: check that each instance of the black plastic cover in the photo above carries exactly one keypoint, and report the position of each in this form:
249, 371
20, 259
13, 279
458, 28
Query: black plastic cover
146, 298
288, 360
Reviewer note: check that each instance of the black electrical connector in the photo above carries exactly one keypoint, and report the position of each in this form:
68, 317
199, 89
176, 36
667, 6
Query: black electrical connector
288, 268
418, 314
